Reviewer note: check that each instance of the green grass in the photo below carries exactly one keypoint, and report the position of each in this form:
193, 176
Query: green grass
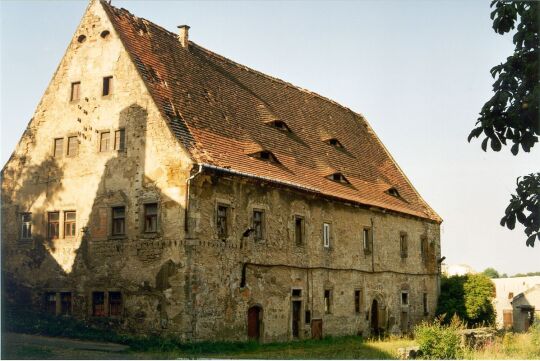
506, 347
27, 353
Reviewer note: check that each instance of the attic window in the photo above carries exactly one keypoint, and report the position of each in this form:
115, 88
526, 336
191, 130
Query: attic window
334, 142
280, 125
105, 33
393, 192
265, 155
81, 38
338, 177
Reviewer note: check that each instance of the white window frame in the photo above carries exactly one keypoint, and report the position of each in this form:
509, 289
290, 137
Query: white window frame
26, 225
326, 235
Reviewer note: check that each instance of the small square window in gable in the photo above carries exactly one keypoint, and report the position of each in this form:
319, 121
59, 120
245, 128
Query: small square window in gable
75, 91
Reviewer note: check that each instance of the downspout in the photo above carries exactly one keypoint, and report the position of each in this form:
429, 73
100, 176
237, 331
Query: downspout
188, 186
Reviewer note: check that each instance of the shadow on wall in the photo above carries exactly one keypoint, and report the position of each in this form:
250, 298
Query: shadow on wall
98, 258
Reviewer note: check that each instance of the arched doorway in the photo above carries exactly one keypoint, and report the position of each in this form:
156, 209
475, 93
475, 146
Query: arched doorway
375, 317
254, 322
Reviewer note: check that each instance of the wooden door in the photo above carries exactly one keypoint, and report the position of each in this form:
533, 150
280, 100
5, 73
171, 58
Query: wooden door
316, 329
254, 323
296, 308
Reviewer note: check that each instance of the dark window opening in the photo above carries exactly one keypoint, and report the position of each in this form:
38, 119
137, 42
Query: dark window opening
150, 217
403, 246
120, 140
107, 85
423, 247
50, 303
58, 148
70, 225
404, 298
105, 33
279, 125
393, 192
65, 303
26, 225
75, 91
296, 292
338, 177
73, 146
81, 38
221, 221
307, 317
357, 301
367, 240
98, 304
118, 221
115, 303
53, 225
266, 155
334, 142
105, 142
258, 231
425, 304
299, 230
327, 301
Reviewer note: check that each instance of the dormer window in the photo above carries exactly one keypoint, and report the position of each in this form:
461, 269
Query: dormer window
279, 125
265, 155
338, 177
334, 142
393, 192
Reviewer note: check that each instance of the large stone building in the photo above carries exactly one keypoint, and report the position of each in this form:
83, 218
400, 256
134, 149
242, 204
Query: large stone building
172, 190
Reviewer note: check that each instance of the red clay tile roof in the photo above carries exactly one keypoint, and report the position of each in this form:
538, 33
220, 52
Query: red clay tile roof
220, 111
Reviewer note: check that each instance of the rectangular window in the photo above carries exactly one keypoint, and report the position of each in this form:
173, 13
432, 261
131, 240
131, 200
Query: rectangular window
70, 225
115, 303
58, 148
307, 318
326, 235
327, 301
120, 140
425, 303
357, 301
423, 247
105, 142
221, 221
26, 226
299, 230
404, 298
73, 146
65, 305
98, 304
118, 221
296, 292
258, 216
403, 247
107, 85
367, 240
75, 91
150, 217
50, 303
53, 225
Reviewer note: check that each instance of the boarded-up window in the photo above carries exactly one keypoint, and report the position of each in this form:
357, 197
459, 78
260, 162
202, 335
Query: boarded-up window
65, 306
107, 85
326, 235
50, 303
299, 230
327, 301
221, 220
26, 225
357, 300
58, 151
120, 139
70, 224
403, 246
75, 91
150, 217
367, 240
53, 225
115, 303
118, 221
73, 146
105, 142
258, 216
98, 304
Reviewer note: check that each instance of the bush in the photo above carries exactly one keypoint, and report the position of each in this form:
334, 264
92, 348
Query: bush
438, 341
535, 336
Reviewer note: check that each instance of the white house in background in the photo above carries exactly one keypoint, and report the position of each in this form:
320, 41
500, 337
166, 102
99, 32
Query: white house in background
457, 269
508, 292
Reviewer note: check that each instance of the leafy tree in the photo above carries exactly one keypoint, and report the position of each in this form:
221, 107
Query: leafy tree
468, 297
512, 113
491, 272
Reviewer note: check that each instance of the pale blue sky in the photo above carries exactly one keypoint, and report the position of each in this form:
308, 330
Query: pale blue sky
417, 70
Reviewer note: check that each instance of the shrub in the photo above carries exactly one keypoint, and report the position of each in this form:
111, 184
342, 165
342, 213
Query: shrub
535, 336
438, 341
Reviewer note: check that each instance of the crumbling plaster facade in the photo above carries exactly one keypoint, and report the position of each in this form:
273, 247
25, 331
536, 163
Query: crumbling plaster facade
183, 279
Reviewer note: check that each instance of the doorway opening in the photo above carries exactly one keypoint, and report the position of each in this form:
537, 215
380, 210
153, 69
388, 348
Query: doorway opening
254, 323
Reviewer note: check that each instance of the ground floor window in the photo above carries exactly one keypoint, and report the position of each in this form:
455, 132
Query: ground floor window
65, 303
50, 302
98, 304
115, 303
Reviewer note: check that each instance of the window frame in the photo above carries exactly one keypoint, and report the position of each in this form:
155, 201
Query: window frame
68, 153
100, 145
327, 237
49, 222
119, 143
75, 96
299, 240
406, 293
103, 311
62, 303
115, 218
148, 216
26, 226
71, 223
56, 154
222, 220
357, 301
367, 242
403, 245
108, 84
327, 301
258, 236
117, 306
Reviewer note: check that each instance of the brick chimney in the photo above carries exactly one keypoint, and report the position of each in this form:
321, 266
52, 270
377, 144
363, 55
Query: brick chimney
183, 35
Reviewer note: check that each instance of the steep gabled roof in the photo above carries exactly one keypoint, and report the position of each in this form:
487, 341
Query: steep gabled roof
218, 109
